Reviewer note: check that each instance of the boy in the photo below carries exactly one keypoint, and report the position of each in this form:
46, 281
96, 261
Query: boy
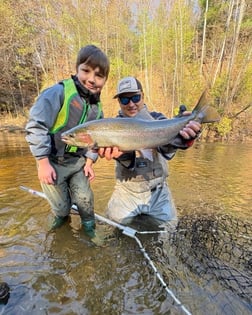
64, 171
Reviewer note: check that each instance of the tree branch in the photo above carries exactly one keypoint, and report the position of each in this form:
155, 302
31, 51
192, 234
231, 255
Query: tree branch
241, 111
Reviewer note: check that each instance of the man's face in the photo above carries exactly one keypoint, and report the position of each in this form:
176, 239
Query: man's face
91, 79
131, 103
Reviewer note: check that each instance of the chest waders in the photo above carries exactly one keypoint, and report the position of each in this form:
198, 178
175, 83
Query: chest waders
154, 172
74, 111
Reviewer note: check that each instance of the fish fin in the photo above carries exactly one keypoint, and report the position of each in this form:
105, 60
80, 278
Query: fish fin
204, 112
144, 115
146, 154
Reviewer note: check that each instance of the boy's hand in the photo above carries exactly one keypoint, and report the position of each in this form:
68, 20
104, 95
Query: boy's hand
88, 169
46, 173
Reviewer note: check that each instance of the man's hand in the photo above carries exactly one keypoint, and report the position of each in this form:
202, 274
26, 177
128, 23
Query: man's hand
109, 153
191, 130
188, 134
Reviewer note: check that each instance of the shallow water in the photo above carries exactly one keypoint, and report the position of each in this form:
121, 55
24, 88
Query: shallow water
207, 264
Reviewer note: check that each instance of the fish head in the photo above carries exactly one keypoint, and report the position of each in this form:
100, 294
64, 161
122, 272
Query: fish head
80, 139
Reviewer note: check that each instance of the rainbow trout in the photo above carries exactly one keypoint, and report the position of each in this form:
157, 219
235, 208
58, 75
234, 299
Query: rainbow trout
130, 134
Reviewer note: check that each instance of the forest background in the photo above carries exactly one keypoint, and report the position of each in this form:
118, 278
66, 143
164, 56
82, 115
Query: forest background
176, 48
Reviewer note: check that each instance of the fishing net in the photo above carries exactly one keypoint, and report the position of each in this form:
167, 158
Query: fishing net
220, 246
210, 253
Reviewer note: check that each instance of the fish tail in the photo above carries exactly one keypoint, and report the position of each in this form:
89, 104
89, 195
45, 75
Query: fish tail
204, 112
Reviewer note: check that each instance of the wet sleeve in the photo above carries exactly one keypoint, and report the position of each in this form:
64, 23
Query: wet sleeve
168, 151
92, 155
41, 119
181, 143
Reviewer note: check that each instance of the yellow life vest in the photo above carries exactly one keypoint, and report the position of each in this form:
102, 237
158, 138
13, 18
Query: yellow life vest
74, 111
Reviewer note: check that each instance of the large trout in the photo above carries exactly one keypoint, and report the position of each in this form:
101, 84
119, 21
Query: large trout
129, 134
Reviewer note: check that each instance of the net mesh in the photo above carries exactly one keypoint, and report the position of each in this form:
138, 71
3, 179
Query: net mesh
219, 246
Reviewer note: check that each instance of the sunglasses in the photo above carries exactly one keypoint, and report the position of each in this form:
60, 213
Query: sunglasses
124, 100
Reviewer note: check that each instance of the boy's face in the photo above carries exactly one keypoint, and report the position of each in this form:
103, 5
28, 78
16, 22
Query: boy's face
134, 105
91, 79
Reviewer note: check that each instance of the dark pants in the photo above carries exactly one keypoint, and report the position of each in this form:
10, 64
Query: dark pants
72, 186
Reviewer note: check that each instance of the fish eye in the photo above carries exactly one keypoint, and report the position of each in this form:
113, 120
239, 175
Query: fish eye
71, 135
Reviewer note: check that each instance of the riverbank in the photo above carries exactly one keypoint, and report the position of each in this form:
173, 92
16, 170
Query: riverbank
10, 123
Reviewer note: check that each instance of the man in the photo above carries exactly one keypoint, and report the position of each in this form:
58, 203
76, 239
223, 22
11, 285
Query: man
141, 184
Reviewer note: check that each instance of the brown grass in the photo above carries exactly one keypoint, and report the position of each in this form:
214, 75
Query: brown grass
10, 122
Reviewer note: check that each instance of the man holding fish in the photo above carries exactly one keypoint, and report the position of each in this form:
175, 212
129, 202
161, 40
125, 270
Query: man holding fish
141, 183
141, 142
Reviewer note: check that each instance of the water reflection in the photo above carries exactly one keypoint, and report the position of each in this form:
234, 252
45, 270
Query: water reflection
62, 273
215, 176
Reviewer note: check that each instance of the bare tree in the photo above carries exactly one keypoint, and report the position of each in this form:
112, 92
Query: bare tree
203, 38
240, 6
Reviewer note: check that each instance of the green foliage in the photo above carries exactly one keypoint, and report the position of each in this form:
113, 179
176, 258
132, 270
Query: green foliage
176, 111
160, 42
218, 90
224, 126
246, 84
118, 68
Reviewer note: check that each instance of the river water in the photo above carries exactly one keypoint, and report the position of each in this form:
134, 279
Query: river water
205, 263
